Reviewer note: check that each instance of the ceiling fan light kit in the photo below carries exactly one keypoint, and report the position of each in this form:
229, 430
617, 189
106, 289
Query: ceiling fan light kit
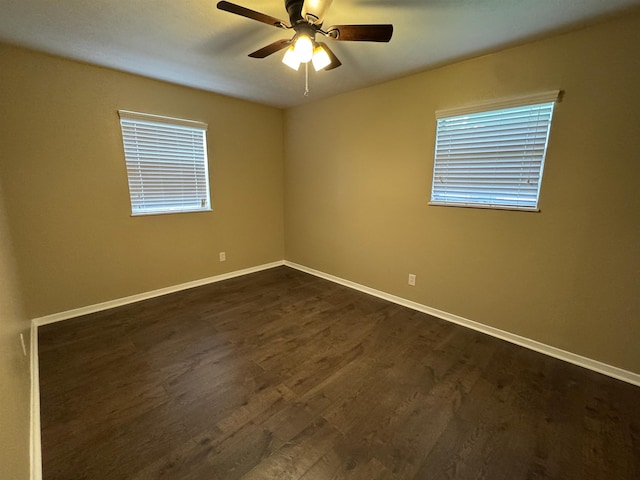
306, 18
304, 50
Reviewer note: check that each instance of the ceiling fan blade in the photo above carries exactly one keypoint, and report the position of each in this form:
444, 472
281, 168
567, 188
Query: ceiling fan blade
252, 14
335, 63
272, 48
361, 33
316, 8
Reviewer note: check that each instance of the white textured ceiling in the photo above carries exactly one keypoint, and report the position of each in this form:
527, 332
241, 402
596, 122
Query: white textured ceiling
191, 42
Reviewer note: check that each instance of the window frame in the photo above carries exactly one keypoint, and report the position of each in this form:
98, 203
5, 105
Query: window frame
200, 163
546, 99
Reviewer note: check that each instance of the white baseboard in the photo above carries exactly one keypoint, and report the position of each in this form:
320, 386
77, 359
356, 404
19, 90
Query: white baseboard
596, 366
35, 445
98, 307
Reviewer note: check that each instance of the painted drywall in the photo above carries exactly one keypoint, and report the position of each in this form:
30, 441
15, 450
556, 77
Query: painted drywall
66, 187
14, 365
358, 179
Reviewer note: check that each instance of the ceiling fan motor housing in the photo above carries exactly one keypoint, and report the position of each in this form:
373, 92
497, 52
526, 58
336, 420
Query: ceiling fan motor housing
294, 9
299, 24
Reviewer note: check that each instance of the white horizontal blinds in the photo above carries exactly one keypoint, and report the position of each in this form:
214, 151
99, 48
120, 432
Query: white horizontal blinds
491, 158
166, 164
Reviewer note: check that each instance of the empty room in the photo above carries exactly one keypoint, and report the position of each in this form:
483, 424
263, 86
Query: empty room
320, 240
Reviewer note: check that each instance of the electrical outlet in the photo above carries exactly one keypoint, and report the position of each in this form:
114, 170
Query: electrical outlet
223, 256
412, 280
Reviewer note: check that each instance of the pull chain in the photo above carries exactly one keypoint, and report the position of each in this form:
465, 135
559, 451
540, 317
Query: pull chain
306, 79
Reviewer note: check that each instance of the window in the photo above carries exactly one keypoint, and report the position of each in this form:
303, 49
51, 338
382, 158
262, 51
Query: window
492, 155
166, 162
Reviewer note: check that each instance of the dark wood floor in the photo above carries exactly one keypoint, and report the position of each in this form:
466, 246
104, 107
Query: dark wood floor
281, 375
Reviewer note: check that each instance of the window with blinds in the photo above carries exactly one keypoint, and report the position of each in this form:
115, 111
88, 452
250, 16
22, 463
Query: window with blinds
166, 161
492, 155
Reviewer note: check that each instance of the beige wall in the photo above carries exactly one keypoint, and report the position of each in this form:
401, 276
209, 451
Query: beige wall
14, 366
67, 195
358, 179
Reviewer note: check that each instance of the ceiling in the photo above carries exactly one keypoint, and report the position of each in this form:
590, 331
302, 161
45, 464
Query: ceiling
191, 42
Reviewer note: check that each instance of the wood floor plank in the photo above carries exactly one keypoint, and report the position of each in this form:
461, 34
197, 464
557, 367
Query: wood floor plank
282, 375
297, 456
188, 461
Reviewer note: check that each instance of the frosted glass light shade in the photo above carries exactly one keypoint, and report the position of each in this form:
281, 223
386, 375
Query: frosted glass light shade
303, 48
320, 58
290, 58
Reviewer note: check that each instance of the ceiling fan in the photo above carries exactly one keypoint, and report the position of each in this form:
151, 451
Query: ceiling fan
306, 18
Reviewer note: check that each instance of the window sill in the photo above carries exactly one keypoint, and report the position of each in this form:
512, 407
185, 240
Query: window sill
485, 207
171, 212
